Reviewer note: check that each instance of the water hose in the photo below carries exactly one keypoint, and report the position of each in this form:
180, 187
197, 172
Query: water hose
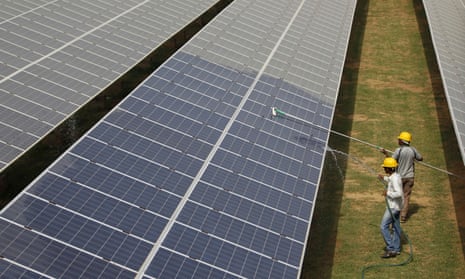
402, 233
275, 112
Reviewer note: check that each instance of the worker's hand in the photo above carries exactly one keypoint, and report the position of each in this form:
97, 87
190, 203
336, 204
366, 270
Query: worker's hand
380, 176
382, 150
384, 193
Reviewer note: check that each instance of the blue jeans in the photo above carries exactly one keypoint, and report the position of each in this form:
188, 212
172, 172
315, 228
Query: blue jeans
392, 240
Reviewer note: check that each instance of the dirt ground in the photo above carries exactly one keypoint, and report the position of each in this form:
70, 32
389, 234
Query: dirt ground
391, 83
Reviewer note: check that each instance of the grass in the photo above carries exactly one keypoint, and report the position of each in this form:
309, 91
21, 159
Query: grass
391, 83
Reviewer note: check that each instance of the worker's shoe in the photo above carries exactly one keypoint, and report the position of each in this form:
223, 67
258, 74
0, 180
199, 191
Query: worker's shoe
385, 249
389, 254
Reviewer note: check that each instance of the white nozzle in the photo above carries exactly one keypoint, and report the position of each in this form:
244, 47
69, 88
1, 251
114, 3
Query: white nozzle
273, 111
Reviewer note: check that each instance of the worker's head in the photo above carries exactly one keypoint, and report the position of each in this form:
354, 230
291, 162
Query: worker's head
389, 165
404, 138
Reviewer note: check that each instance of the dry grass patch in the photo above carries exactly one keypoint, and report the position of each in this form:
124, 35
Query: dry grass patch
396, 87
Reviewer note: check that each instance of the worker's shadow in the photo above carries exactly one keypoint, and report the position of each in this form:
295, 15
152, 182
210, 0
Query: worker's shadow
413, 209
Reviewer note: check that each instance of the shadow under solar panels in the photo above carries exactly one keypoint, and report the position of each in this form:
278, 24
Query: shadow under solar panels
56, 56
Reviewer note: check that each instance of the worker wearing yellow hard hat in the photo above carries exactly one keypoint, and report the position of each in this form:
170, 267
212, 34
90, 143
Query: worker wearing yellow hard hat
394, 200
405, 155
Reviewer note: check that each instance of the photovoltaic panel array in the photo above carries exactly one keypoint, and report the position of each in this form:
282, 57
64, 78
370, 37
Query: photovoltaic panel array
447, 26
190, 176
57, 55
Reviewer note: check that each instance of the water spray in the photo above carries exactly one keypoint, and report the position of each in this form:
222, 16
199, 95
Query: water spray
275, 112
403, 233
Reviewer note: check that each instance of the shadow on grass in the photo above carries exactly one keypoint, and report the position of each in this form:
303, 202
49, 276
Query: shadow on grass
413, 209
449, 140
321, 245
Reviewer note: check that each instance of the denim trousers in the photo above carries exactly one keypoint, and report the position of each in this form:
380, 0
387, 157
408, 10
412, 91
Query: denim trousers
390, 229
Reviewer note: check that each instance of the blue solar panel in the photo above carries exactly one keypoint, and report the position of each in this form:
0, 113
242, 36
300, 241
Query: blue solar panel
447, 24
189, 176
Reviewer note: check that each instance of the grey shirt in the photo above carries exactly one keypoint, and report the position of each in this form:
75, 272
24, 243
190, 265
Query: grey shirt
406, 156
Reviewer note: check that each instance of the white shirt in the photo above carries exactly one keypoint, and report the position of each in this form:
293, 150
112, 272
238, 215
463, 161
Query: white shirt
394, 192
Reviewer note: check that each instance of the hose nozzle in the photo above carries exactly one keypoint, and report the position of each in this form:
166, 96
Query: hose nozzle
273, 112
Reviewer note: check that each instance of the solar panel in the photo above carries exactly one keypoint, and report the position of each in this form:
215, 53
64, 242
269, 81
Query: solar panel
447, 24
57, 55
190, 176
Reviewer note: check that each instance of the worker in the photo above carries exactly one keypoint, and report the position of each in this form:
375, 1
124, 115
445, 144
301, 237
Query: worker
405, 155
394, 200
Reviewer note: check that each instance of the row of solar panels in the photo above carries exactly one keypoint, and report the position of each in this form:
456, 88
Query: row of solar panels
58, 55
446, 21
189, 176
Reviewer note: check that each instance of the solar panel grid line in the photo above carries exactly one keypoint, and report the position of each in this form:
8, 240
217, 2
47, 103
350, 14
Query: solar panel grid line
314, 127
446, 22
12, 103
297, 156
284, 211
313, 56
95, 244
103, 193
175, 9
107, 48
76, 20
200, 80
69, 93
172, 148
209, 105
60, 261
178, 113
117, 46
38, 98
26, 268
226, 241
63, 243
141, 24
184, 200
64, 46
16, 12
23, 36
98, 64
120, 194
268, 148
91, 79
153, 122
66, 16
180, 272
131, 41
224, 256
195, 225
104, 224
69, 81
22, 122
258, 183
93, 7
49, 26
245, 33
210, 157
232, 258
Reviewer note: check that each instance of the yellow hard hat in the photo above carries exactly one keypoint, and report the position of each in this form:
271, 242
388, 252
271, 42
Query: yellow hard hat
406, 136
389, 162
